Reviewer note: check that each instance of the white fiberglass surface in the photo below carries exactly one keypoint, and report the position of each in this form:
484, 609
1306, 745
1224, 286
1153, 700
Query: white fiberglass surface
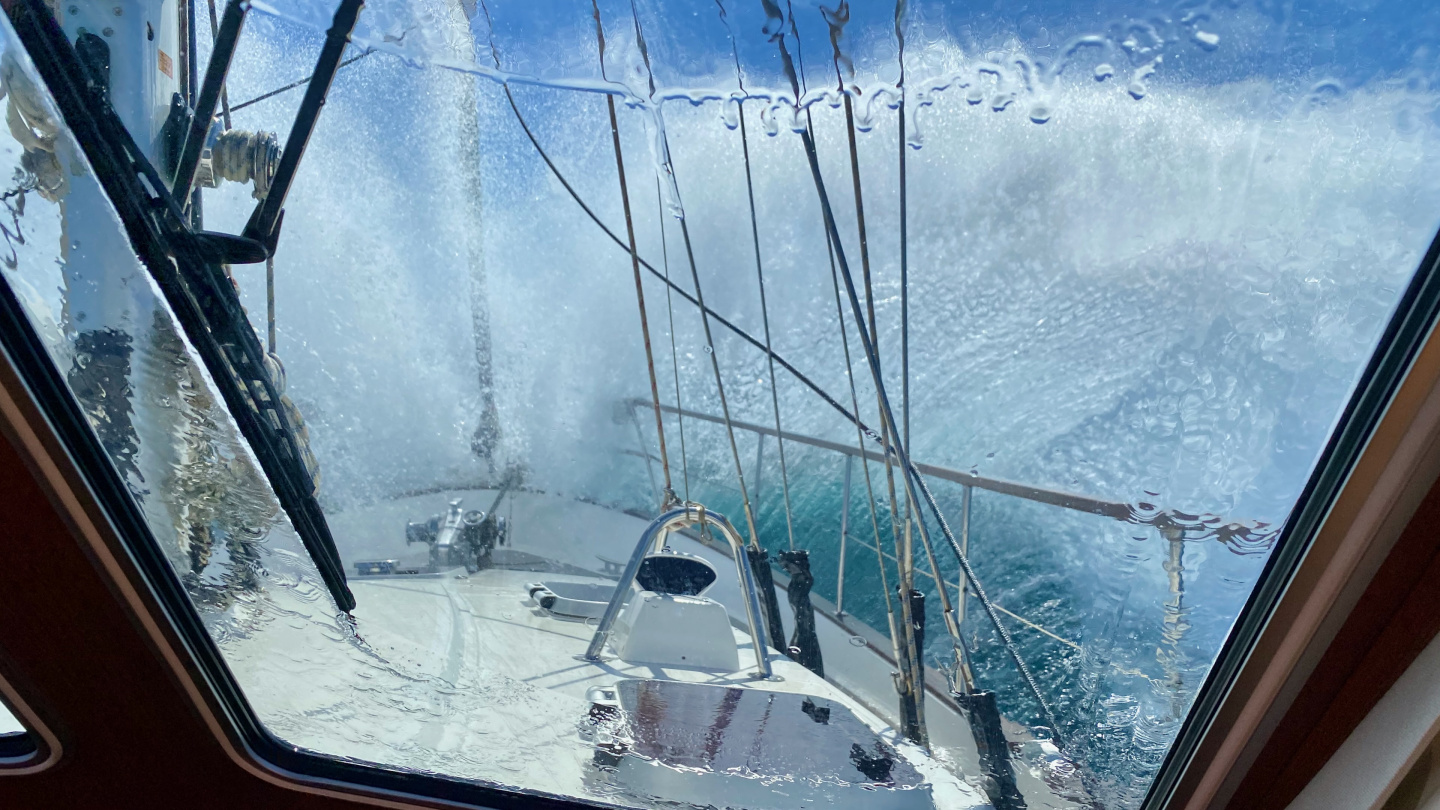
1147, 251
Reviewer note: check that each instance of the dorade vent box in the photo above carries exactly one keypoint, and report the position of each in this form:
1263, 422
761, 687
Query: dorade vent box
679, 631
670, 621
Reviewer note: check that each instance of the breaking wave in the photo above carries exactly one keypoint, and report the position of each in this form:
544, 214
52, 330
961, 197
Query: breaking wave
1138, 284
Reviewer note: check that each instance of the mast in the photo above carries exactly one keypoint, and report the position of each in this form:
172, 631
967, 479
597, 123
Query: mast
486, 436
485, 440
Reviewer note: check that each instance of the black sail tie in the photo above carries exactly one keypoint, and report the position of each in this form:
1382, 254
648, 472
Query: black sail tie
805, 642
984, 716
765, 584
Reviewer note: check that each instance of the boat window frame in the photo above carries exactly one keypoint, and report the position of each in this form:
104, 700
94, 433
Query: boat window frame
37, 404
33, 750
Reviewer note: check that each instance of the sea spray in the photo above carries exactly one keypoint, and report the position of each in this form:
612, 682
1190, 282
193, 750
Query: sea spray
1162, 296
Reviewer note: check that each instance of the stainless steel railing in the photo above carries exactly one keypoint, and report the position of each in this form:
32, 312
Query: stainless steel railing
1243, 536
1173, 525
653, 539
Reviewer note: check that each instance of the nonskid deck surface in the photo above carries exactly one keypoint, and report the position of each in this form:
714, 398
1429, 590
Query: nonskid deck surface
487, 618
475, 632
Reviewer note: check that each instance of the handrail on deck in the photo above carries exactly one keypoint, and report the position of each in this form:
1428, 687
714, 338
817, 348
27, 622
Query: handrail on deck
1241, 536
653, 539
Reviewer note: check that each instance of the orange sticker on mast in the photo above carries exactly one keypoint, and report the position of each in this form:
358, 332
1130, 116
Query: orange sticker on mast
166, 66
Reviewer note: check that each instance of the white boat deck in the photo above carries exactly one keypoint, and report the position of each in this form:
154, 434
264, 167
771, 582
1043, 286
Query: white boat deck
489, 620
483, 634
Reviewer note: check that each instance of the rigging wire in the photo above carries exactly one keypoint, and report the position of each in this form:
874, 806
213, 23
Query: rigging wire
908, 664
890, 612
865, 465
905, 321
720, 319
695, 279
947, 608
912, 477
904, 552
669, 284
291, 86
669, 495
905, 683
224, 92
860, 425
674, 354
760, 277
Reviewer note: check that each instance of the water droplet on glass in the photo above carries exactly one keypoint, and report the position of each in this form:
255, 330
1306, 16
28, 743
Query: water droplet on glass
1040, 113
1207, 40
1000, 102
1103, 71
709, 349
1137, 88
730, 114
769, 117
1325, 92
975, 96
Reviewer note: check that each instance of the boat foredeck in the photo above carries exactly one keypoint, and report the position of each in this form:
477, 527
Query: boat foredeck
484, 625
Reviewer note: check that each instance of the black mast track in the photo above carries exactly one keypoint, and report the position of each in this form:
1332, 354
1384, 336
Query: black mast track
201, 295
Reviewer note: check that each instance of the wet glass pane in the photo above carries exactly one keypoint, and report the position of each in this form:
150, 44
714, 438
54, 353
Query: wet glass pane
1123, 264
